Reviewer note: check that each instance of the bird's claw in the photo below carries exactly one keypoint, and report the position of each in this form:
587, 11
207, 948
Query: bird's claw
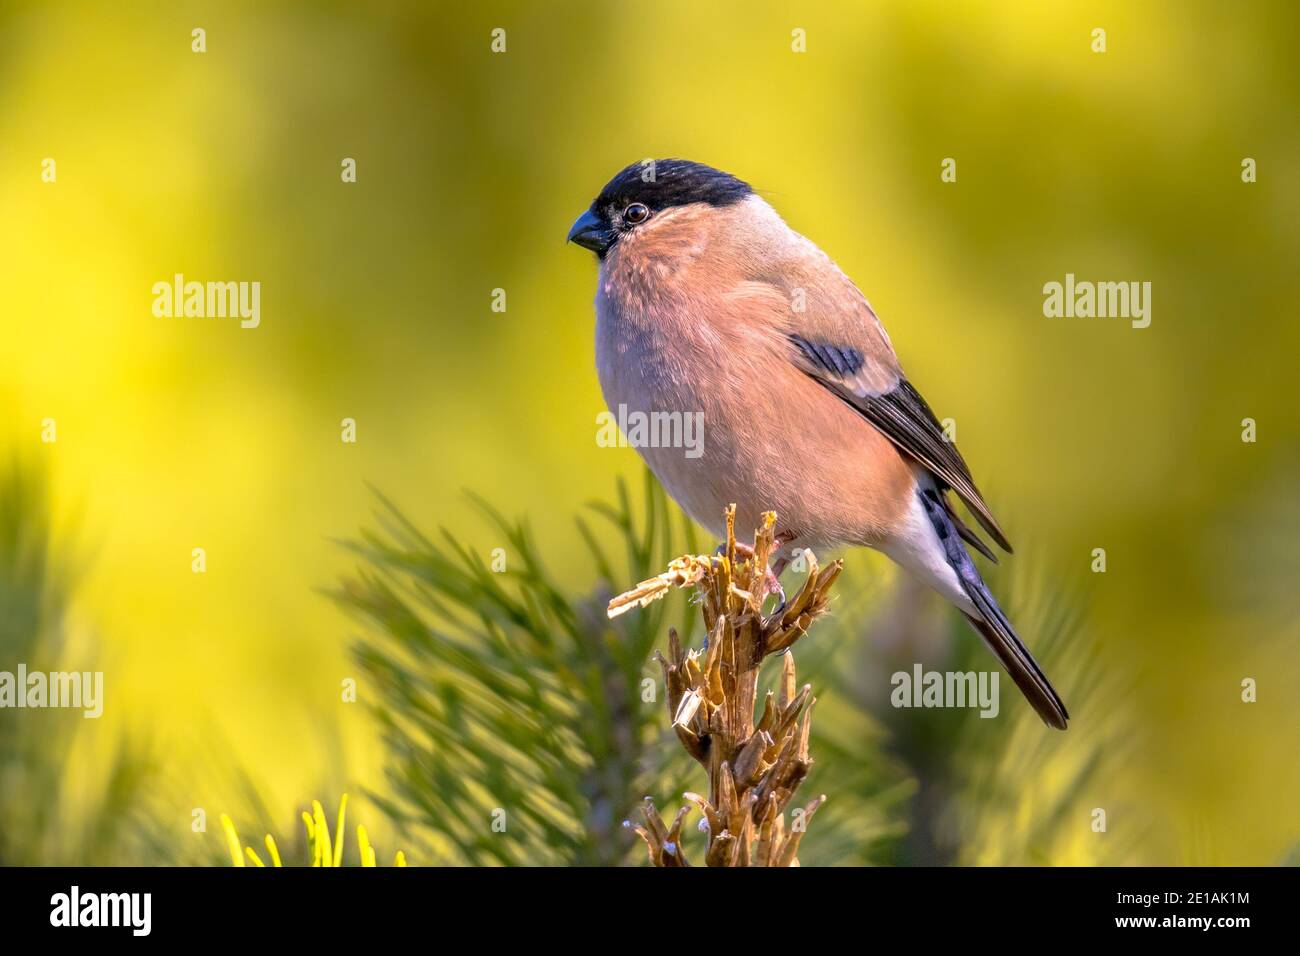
773, 585
742, 550
771, 582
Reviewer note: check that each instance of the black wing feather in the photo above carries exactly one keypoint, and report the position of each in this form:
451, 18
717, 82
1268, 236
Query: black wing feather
906, 420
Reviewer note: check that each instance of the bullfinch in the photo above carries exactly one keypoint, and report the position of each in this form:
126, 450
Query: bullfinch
708, 304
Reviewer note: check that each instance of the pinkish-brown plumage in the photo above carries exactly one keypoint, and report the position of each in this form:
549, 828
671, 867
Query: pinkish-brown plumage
708, 303
682, 325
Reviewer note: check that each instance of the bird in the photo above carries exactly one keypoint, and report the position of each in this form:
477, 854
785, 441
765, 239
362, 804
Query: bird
707, 303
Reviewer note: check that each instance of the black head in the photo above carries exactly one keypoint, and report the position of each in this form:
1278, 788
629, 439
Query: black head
644, 189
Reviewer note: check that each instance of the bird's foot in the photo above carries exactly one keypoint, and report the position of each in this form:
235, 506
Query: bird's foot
771, 576
774, 576
774, 587
744, 550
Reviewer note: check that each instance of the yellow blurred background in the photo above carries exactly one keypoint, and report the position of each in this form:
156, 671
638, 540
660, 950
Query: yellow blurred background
175, 434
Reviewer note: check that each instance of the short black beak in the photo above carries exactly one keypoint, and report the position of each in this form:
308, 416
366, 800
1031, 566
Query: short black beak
592, 233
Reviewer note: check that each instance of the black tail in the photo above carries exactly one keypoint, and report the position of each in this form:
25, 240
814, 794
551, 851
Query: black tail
992, 624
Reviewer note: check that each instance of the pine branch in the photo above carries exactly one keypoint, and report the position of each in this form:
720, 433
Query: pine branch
754, 767
42, 822
513, 714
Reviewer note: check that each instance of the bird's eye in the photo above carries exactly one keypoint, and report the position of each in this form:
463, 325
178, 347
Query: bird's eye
636, 213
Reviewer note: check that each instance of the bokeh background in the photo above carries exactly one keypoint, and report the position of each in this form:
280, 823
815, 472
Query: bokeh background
224, 688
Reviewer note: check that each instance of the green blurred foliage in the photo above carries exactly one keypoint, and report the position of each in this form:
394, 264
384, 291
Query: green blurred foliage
523, 726
514, 715
58, 805
175, 434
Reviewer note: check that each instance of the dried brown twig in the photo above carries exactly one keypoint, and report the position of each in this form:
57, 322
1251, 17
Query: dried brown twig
754, 767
